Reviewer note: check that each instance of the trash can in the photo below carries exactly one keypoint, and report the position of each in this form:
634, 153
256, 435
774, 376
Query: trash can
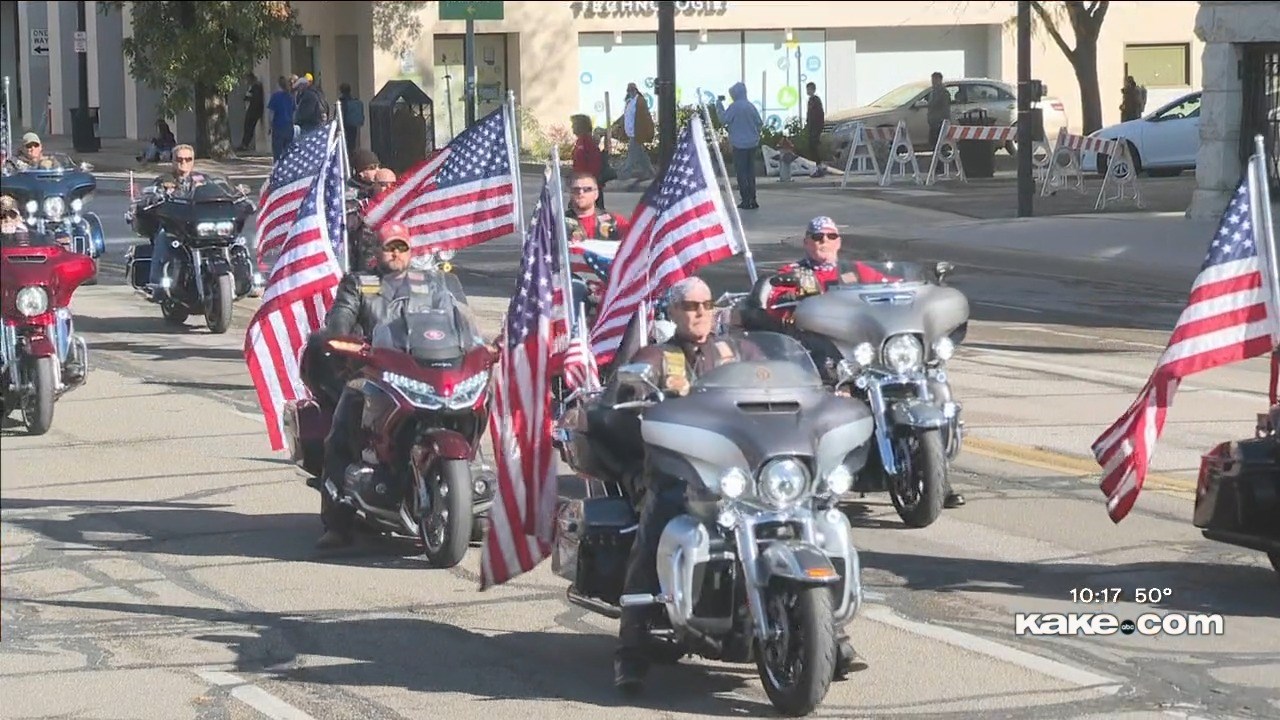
978, 156
84, 130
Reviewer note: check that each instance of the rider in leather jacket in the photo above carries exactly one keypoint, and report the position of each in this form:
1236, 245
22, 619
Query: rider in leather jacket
585, 221
361, 301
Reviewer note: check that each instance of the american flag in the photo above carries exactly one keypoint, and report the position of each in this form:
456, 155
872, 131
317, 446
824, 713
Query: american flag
519, 535
6, 127
292, 178
591, 260
462, 196
299, 290
1226, 320
680, 226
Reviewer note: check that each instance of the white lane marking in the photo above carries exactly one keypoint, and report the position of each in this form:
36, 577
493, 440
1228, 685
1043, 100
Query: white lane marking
1035, 663
1085, 336
254, 696
1009, 307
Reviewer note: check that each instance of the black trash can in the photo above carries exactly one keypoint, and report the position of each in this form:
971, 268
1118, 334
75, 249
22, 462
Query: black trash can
978, 156
84, 130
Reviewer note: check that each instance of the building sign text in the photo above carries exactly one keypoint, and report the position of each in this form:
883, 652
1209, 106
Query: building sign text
644, 9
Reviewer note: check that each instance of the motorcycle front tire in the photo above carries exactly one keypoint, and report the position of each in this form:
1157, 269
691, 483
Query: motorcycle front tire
218, 306
37, 408
455, 478
924, 464
809, 617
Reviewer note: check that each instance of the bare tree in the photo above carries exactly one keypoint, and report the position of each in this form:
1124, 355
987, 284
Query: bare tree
1085, 20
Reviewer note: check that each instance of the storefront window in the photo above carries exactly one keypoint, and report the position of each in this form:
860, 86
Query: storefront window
491, 81
773, 73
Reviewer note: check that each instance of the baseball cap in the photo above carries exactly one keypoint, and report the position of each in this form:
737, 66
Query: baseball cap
31, 138
392, 231
362, 159
822, 224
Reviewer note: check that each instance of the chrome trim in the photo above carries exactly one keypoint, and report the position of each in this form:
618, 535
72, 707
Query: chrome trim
197, 271
11, 355
875, 397
685, 544
744, 531
835, 538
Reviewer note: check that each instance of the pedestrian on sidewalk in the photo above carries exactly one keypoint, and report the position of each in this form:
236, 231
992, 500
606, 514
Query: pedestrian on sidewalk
352, 116
253, 106
587, 157
637, 129
282, 107
814, 119
939, 108
160, 149
744, 124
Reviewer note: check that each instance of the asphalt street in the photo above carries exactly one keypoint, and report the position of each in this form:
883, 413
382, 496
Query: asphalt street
158, 562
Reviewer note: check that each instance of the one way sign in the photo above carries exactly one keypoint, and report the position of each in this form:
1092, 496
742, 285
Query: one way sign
40, 42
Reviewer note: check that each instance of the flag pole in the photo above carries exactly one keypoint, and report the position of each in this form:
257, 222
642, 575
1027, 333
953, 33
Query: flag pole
513, 155
8, 121
562, 239
1264, 231
727, 189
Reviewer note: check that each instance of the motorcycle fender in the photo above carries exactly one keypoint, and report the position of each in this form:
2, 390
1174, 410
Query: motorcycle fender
445, 444
216, 265
39, 346
917, 414
797, 561
97, 236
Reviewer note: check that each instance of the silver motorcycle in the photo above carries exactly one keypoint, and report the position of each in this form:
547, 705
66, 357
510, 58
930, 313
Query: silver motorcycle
761, 566
888, 344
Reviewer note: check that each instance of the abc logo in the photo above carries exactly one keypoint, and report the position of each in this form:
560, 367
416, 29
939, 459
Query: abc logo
1127, 627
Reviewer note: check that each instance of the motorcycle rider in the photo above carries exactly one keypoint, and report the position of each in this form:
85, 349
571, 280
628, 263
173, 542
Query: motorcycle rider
182, 175
358, 307
691, 351
31, 157
584, 220
820, 267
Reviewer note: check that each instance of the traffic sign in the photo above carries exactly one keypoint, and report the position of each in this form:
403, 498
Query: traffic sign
472, 10
82, 41
40, 42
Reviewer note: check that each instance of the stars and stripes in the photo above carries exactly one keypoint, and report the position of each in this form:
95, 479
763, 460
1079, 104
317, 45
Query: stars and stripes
299, 292
292, 178
1229, 317
519, 535
463, 195
680, 226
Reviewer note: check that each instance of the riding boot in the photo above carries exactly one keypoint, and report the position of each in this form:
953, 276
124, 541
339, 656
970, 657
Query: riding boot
951, 498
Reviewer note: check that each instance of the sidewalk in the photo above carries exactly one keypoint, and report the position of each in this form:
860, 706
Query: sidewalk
118, 156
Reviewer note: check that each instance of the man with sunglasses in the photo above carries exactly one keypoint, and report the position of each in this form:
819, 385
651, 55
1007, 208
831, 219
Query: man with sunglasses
358, 307
31, 156
585, 220
182, 174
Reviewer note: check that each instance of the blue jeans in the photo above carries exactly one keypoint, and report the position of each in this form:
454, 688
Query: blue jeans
281, 139
744, 166
159, 255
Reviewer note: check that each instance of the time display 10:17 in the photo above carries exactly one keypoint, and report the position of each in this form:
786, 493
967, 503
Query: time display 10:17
1142, 596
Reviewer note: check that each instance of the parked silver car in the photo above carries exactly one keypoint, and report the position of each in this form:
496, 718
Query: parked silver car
910, 102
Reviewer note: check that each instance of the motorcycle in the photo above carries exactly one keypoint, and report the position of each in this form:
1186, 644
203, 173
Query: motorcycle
53, 198
426, 384
888, 344
761, 566
40, 357
209, 266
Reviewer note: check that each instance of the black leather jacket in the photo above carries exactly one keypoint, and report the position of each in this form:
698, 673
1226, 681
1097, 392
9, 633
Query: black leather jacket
361, 303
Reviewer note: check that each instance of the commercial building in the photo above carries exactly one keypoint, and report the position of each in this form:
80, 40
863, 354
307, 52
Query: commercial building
563, 57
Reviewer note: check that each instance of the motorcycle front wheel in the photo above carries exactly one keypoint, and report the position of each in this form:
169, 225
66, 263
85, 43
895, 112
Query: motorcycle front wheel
37, 406
217, 311
444, 524
917, 489
797, 666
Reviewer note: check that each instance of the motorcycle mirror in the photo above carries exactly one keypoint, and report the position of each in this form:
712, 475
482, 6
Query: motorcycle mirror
943, 268
422, 262
636, 374
446, 255
86, 167
242, 189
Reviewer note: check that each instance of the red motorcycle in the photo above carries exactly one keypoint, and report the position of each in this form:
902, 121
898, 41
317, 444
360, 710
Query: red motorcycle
40, 357
426, 379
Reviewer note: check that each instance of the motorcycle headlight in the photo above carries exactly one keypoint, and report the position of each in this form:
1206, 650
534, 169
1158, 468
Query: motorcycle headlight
944, 349
782, 482
32, 300
864, 354
215, 229
468, 391
734, 483
840, 480
77, 205
903, 353
418, 392
32, 207
54, 207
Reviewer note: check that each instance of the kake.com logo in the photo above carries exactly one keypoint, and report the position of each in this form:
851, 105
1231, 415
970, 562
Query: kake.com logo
1087, 624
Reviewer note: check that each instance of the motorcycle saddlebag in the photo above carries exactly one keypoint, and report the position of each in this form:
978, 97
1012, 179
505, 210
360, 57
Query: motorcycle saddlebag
305, 426
592, 547
139, 264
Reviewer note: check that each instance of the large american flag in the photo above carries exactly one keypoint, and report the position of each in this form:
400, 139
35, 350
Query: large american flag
1226, 320
519, 535
292, 178
462, 196
299, 291
680, 226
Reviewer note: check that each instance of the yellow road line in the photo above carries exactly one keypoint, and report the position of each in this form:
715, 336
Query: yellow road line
1066, 464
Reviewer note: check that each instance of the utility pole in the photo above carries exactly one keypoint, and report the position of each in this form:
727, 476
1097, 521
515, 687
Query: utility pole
1026, 183
666, 83
469, 69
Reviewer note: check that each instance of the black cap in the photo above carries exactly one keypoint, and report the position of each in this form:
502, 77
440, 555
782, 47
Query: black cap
362, 159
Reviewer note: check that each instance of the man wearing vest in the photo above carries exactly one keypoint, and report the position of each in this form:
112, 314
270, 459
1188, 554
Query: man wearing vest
585, 221
820, 267
692, 351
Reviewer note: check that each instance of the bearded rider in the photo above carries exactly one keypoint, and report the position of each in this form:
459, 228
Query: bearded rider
586, 221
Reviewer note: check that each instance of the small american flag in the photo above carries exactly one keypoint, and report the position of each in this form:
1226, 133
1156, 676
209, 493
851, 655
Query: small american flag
519, 535
591, 260
299, 291
292, 179
680, 226
462, 196
1226, 320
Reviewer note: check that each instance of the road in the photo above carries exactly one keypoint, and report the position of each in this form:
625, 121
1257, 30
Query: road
158, 560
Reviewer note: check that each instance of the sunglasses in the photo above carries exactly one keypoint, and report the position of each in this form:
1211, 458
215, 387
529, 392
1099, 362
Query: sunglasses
582, 190
185, 159
819, 237
396, 246
695, 305
31, 145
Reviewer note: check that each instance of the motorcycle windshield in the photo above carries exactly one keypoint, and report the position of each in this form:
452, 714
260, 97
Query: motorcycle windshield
761, 361
890, 272
206, 188
428, 321
48, 162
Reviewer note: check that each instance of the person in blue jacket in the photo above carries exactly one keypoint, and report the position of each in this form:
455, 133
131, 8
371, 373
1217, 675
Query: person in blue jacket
744, 123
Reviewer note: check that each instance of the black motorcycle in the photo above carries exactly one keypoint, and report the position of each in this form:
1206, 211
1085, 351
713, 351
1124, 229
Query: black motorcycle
209, 266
